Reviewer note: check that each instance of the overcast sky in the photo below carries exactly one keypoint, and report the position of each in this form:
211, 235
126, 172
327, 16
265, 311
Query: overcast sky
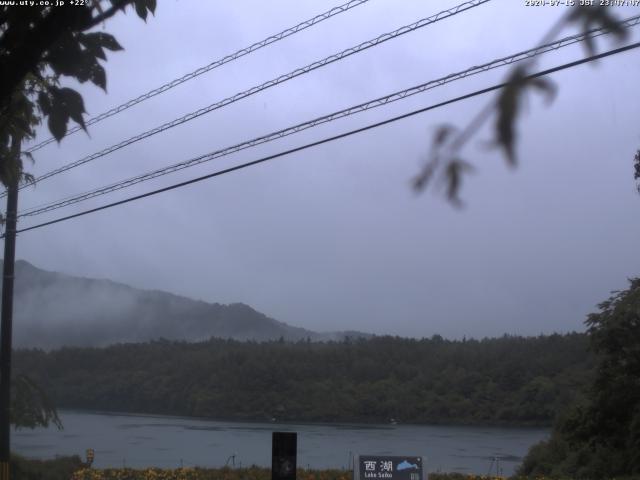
334, 237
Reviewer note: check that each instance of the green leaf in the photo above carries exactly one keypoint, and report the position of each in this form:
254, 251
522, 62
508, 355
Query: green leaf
44, 102
508, 107
58, 123
442, 134
29, 178
72, 102
545, 86
106, 40
99, 77
93, 45
30, 405
594, 17
21, 126
77, 56
29, 155
636, 167
141, 8
66, 103
590, 45
66, 56
421, 181
453, 173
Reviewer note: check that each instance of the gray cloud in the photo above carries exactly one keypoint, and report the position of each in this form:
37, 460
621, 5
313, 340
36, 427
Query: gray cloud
334, 238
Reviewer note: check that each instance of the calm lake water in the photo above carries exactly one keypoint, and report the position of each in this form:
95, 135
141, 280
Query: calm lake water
141, 441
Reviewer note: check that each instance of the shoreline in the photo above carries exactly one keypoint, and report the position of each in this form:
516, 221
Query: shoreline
360, 424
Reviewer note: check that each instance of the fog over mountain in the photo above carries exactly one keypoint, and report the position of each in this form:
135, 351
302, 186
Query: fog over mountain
52, 309
335, 237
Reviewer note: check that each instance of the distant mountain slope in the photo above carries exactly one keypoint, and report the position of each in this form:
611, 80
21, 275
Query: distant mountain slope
53, 309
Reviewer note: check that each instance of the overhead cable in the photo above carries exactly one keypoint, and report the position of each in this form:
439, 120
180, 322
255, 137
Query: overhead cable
271, 83
207, 68
332, 138
378, 102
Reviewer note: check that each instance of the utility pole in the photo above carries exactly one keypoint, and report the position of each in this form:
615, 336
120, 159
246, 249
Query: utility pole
6, 327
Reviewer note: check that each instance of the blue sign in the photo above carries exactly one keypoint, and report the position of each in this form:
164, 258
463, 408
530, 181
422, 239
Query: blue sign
382, 467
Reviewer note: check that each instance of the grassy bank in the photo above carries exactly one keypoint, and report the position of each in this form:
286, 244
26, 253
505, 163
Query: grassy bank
252, 473
258, 473
72, 468
61, 468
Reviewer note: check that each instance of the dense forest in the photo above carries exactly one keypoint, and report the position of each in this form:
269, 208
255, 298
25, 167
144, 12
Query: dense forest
598, 436
508, 381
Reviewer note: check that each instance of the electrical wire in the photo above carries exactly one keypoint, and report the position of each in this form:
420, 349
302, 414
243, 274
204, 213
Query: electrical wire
564, 42
276, 81
332, 138
207, 68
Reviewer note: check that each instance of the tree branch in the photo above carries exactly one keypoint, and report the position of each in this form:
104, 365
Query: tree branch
25, 56
116, 6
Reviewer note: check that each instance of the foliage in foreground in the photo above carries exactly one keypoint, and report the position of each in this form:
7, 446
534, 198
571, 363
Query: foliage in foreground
252, 473
600, 436
61, 468
60, 47
31, 407
257, 473
72, 468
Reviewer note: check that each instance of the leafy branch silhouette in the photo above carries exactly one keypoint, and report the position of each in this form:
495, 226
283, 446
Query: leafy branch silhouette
445, 165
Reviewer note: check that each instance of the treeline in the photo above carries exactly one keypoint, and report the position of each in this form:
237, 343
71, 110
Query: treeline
599, 436
509, 380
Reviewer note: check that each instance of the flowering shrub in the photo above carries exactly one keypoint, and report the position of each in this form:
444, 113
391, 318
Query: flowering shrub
461, 476
257, 473
190, 473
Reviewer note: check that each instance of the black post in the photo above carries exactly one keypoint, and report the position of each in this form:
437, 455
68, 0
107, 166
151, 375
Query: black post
284, 455
5, 329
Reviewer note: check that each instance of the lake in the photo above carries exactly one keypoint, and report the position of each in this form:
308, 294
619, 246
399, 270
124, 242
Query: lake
169, 442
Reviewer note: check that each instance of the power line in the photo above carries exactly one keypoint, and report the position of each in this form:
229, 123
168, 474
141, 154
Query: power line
570, 40
333, 138
276, 81
207, 68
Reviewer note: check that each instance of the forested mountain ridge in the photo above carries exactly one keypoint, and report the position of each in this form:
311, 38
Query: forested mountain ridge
54, 310
506, 381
